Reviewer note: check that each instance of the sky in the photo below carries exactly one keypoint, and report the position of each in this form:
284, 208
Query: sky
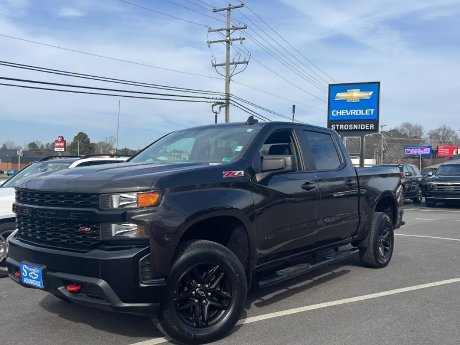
412, 47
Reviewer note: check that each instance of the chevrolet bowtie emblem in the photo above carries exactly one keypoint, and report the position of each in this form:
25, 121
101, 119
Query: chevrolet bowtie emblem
354, 95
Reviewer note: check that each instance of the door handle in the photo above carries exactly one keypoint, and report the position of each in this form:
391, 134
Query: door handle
350, 182
308, 186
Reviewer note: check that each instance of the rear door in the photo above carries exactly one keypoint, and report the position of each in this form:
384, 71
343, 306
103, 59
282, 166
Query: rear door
338, 215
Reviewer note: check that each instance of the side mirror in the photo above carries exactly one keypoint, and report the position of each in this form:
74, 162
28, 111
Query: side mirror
408, 174
275, 163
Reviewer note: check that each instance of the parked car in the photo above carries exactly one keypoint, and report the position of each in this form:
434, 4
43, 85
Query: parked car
182, 230
11, 172
45, 165
411, 179
443, 185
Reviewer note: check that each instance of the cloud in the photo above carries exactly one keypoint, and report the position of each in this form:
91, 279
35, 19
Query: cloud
70, 12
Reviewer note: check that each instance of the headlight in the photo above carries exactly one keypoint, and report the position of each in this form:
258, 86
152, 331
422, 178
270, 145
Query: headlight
110, 231
130, 200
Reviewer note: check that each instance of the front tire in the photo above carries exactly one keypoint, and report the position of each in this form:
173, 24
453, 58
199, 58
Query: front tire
5, 230
381, 242
206, 293
418, 198
430, 203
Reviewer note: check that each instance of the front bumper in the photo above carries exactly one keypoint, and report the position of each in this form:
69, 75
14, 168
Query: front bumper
109, 279
442, 195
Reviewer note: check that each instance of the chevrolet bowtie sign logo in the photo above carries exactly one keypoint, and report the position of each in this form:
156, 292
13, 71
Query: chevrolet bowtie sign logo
354, 95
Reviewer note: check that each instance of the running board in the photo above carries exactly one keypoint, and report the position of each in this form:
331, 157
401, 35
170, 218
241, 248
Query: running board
300, 269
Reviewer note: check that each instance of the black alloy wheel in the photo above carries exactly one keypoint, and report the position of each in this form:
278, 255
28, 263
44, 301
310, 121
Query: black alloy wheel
206, 293
5, 230
418, 199
203, 295
379, 249
385, 242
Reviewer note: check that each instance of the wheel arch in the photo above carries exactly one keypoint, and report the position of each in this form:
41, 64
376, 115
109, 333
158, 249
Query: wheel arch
229, 228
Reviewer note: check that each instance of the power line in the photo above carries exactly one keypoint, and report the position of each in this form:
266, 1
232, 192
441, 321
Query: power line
106, 89
105, 79
262, 108
108, 57
194, 11
287, 42
162, 13
297, 71
286, 80
105, 94
263, 31
275, 95
249, 111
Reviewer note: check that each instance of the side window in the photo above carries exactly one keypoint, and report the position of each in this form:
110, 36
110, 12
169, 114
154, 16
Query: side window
280, 143
415, 169
323, 149
406, 169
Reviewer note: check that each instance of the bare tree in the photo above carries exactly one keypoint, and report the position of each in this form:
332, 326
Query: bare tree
443, 135
410, 130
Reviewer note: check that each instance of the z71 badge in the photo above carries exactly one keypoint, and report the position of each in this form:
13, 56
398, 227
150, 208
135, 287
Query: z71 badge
239, 173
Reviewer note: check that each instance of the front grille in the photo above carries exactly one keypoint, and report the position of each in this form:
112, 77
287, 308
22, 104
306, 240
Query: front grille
68, 200
58, 233
446, 187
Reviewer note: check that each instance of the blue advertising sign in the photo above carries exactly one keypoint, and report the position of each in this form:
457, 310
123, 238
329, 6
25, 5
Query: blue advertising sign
354, 107
417, 150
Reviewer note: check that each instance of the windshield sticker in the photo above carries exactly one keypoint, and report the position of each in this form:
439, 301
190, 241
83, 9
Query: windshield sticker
226, 159
238, 148
237, 173
249, 130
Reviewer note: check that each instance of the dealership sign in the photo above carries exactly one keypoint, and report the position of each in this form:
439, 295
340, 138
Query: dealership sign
417, 150
59, 144
354, 107
448, 150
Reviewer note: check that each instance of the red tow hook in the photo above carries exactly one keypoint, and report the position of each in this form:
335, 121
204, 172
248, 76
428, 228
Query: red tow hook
17, 274
73, 287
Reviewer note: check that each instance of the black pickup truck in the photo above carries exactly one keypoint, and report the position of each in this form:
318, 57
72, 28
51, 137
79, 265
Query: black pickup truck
184, 228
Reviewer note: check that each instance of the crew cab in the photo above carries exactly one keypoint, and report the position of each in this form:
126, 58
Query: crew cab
185, 227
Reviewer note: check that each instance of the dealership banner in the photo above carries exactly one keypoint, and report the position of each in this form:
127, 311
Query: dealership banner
448, 150
354, 108
417, 150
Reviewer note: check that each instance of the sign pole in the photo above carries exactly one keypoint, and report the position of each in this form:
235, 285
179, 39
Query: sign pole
361, 154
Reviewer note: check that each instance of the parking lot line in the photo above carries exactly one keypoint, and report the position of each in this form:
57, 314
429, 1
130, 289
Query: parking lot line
325, 305
432, 237
424, 218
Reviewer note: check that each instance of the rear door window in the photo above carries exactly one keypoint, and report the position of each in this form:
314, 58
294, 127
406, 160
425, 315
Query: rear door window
323, 149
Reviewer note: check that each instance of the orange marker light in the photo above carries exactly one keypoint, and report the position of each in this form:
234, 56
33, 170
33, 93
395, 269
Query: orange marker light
148, 199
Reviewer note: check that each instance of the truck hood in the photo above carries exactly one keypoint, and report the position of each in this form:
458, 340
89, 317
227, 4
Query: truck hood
113, 178
434, 179
6, 203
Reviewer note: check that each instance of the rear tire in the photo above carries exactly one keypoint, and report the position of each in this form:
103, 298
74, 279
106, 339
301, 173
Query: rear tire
5, 230
381, 242
206, 293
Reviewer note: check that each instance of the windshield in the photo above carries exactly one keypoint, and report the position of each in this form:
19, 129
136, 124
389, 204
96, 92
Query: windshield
217, 145
35, 168
448, 170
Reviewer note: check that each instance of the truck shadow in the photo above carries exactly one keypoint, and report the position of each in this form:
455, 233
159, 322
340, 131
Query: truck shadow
133, 326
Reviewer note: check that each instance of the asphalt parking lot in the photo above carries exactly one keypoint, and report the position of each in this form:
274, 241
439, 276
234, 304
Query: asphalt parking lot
412, 301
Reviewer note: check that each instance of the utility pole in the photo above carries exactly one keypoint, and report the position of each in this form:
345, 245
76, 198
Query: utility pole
381, 143
293, 113
229, 29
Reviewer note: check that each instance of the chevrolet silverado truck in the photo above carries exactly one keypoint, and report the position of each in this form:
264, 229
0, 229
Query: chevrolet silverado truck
185, 227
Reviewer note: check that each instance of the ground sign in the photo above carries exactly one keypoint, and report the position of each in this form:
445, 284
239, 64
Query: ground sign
417, 150
353, 109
